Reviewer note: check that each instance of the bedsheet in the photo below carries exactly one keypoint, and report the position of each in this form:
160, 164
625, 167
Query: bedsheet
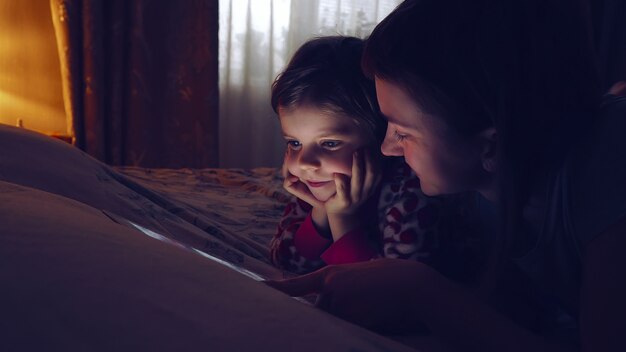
75, 279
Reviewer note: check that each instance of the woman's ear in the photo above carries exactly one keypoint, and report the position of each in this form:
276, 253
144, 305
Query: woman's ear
489, 143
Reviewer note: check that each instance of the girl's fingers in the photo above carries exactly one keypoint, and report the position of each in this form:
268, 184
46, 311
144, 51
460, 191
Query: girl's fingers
290, 183
301, 191
372, 174
288, 176
356, 181
285, 171
290, 187
342, 183
369, 174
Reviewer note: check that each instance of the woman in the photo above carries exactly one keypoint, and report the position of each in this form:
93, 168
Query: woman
504, 91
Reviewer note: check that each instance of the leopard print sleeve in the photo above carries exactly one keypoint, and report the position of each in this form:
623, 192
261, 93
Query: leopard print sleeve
408, 219
283, 251
440, 231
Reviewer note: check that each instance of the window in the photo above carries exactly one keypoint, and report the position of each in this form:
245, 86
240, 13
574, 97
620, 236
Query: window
257, 38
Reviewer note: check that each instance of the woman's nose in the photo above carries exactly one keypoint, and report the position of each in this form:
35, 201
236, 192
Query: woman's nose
390, 146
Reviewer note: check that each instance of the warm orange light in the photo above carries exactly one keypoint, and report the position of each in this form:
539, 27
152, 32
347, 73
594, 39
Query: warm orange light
35, 115
30, 77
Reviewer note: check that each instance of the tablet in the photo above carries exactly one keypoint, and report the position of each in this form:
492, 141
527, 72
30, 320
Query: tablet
123, 221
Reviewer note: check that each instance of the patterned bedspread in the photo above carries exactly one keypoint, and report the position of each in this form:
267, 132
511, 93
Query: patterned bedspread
239, 207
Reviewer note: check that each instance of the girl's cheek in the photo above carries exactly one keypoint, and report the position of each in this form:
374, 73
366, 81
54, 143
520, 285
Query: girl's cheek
342, 165
289, 156
289, 164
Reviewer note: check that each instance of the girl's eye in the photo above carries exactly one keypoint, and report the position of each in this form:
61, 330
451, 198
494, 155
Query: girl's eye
331, 144
293, 145
399, 137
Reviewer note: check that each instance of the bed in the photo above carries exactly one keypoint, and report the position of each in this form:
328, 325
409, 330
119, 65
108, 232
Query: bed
80, 270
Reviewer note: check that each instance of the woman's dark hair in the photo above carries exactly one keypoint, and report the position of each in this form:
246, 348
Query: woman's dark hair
325, 73
525, 67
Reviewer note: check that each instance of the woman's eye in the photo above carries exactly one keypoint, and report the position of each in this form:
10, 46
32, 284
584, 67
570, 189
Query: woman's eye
399, 137
293, 144
331, 144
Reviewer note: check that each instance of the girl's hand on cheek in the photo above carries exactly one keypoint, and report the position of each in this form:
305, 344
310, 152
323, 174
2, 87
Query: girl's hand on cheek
293, 185
353, 192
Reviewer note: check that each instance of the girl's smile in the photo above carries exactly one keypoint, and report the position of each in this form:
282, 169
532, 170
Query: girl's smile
320, 144
316, 184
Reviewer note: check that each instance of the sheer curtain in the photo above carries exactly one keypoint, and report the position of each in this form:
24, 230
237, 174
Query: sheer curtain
257, 38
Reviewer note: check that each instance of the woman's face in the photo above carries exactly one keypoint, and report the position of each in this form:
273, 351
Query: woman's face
319, 145
444, 162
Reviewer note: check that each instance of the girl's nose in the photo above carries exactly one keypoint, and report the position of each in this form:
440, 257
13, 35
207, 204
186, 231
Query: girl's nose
390, 146
309, 159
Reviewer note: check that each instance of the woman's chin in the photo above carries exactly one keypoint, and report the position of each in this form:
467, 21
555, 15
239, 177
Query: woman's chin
429, 190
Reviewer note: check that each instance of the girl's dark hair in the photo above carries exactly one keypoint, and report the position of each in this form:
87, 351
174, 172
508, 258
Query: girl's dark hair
325, 73
525, 67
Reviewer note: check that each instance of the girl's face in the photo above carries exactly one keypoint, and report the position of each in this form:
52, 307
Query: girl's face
319, 145
444, 162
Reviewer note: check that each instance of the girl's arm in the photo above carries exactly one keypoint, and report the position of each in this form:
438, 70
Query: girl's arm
284, 252
345, 208
299, 247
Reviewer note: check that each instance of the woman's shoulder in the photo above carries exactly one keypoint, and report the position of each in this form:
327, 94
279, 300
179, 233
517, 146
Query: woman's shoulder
595, 173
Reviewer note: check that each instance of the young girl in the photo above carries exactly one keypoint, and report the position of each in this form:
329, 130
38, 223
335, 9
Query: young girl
506, 94
352, 204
